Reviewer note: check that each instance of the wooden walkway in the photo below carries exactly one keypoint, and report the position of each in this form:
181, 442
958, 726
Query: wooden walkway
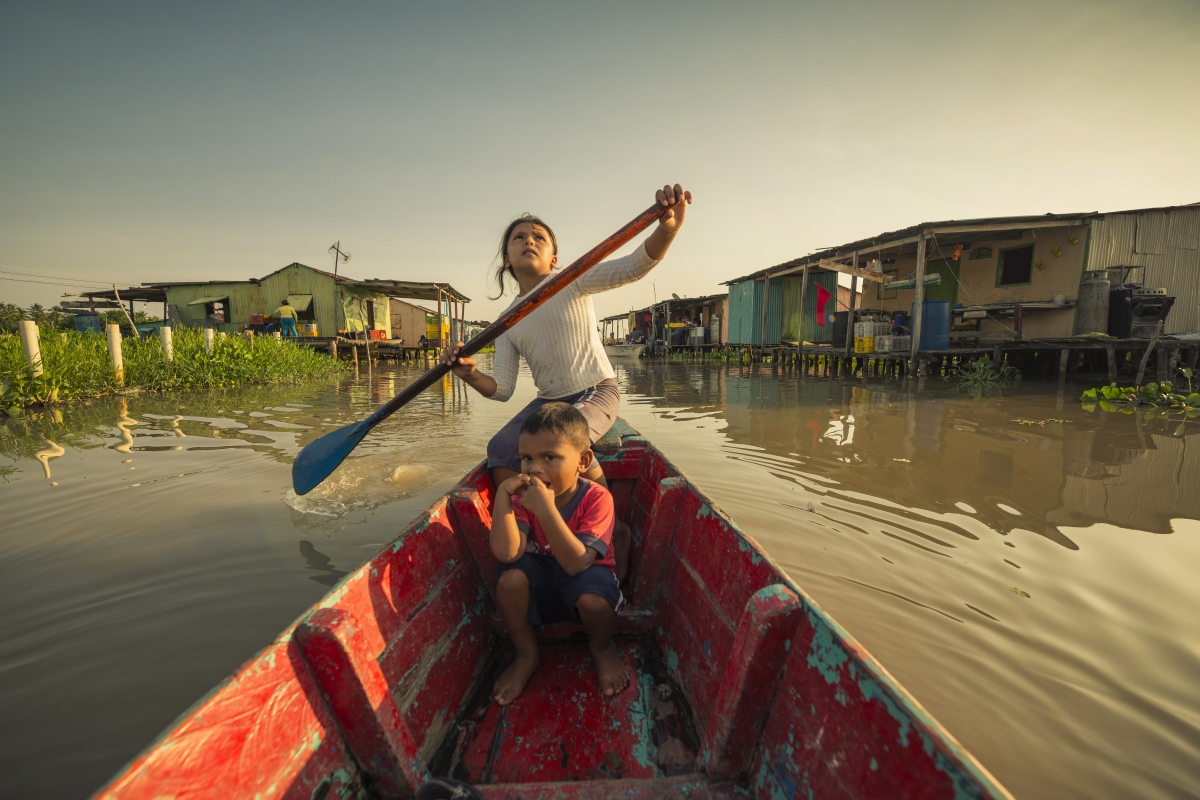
1115, 359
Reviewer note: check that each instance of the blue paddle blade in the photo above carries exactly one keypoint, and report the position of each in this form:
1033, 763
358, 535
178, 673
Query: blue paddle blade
320, 458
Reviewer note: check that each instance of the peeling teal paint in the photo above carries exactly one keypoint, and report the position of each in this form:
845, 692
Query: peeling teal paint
642, 720
826, 654
672, 661
871, 690
874, 765
841, 696
775, 590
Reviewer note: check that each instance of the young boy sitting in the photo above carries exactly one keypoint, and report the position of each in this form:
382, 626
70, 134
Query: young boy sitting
552, 533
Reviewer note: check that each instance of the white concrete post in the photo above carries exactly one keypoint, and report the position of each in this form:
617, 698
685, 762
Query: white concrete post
114, 351
29, 337
278, 335
164, 333
33, 350
209, 338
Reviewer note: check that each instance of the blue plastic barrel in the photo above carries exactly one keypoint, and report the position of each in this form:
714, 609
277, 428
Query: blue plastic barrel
935, 324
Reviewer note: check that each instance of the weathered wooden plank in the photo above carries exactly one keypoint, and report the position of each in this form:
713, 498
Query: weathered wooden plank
341, 660
473, 521
838, 729
432, 666
652, 540
846, 269
694, 635
742, 568
747, 688
268, 728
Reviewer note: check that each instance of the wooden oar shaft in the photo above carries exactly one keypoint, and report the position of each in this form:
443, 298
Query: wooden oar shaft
536, 299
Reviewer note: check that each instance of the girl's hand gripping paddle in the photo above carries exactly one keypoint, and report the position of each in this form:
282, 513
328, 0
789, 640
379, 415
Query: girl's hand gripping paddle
316, 461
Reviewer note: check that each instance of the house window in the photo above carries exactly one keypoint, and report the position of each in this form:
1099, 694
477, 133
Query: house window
217, 311
1015, 266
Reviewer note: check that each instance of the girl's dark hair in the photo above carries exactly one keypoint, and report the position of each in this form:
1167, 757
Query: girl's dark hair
505, 268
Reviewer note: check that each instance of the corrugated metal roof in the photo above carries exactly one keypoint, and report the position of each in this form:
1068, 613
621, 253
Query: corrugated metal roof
964, 225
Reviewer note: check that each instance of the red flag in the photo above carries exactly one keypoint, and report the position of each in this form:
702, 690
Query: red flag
822, 298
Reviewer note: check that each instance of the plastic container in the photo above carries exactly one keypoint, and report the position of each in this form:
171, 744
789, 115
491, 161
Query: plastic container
308, 329
1091, 310
893, 344
935, 324
864, 344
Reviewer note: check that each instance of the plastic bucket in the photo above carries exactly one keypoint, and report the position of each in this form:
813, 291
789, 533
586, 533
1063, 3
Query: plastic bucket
935, 324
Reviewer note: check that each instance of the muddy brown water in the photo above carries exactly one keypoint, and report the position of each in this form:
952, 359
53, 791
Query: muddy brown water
1025, 568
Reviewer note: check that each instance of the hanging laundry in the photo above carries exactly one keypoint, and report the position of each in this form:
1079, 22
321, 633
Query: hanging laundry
822, 298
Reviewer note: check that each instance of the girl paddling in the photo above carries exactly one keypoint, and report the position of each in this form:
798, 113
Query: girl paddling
559, 341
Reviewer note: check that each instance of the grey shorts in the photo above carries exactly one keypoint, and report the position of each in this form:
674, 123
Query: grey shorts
598, 405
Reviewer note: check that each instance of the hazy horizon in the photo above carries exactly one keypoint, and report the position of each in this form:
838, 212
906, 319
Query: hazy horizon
220, 141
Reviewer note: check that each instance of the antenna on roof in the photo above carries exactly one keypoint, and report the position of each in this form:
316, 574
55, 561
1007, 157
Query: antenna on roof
339, 256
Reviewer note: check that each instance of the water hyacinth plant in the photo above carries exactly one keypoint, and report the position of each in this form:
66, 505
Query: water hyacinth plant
76, 365
1150, 396
982, 377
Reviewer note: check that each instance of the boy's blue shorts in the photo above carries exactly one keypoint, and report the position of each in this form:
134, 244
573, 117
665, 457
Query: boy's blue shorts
553, 593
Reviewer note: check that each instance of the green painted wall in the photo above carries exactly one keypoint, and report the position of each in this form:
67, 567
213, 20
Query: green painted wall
263, 297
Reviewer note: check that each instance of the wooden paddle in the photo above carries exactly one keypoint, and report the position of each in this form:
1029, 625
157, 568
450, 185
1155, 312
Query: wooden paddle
320, 458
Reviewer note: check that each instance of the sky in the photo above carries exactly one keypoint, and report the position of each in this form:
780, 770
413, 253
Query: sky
212, 141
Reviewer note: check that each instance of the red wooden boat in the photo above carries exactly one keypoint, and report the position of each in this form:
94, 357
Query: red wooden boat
743, 686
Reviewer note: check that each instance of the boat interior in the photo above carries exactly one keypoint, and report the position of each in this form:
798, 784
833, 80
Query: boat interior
740, 687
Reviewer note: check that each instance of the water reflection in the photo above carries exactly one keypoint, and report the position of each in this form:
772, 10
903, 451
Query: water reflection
320, 563
943, 454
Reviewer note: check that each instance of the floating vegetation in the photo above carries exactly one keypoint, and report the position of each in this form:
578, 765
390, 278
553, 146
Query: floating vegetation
1150, 396
982, 377
1041, 422
76, 365
1021, 592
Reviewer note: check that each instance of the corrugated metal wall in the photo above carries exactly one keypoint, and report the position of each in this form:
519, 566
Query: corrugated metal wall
742, 312
246, 298
790, 323
1167, 244
746, 310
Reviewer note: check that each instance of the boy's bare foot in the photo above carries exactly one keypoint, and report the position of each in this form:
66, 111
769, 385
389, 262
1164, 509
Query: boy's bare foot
611, 670
512, 681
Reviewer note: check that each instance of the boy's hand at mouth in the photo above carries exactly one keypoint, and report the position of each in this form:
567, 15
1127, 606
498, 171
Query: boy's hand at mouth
516, 485
538, 497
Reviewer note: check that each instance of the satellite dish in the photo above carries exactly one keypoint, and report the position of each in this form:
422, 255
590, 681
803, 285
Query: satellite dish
674, 296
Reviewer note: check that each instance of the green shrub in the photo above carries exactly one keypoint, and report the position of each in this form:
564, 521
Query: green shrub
76, 365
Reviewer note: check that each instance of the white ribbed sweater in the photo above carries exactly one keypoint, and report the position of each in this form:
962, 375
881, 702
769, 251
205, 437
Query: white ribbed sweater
559, 340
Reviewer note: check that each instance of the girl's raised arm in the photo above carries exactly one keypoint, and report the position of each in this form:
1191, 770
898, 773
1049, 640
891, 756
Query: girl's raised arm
636, 265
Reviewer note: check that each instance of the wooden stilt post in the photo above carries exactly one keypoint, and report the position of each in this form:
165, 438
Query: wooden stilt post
1111, 352
168, 346
1141, 373
803, 300
209, 340
33, 349
114, 352
1161, 361
850, 309
918, 300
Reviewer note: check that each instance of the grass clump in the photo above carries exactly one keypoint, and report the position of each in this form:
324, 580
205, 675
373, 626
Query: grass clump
76, 365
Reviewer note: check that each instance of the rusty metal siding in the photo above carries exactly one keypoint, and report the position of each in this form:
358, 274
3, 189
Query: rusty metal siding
1167, 244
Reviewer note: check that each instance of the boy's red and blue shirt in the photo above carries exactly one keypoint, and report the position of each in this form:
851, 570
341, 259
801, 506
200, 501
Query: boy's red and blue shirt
589, 515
